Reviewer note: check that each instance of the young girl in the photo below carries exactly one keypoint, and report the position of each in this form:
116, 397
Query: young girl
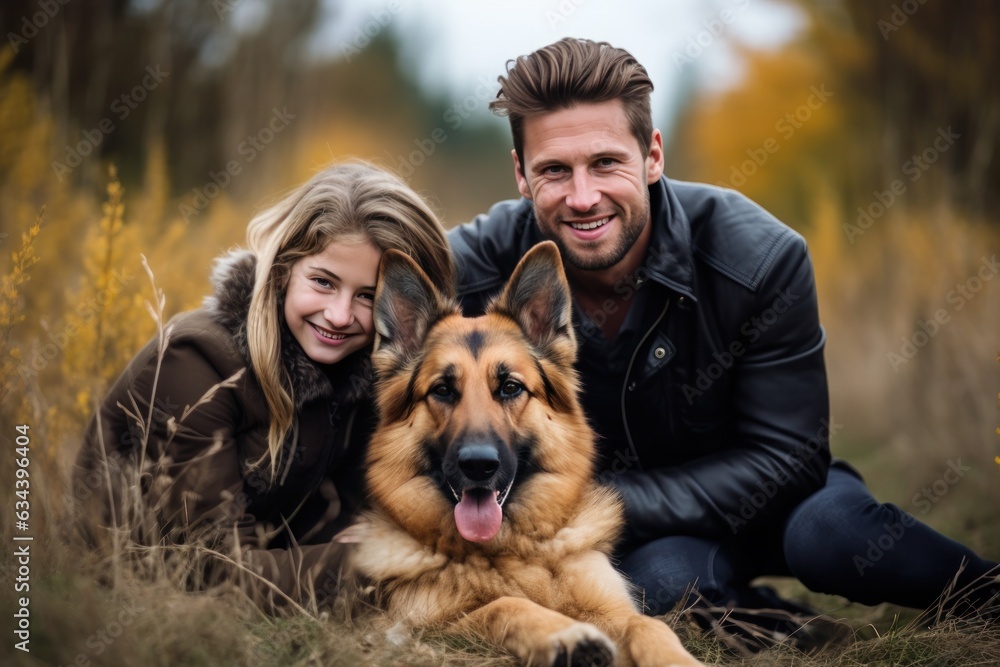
246, 430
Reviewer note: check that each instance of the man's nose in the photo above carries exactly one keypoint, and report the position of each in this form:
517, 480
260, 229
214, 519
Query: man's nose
583, 195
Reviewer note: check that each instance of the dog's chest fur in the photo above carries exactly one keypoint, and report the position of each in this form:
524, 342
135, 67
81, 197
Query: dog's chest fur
415, 575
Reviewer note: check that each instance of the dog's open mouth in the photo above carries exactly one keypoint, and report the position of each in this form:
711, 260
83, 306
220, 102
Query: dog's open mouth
479, 512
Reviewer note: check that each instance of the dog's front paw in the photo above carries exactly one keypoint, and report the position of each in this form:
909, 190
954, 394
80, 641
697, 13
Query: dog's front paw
579, 645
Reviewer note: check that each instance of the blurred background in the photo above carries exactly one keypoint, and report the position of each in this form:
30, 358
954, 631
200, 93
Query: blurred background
870, 126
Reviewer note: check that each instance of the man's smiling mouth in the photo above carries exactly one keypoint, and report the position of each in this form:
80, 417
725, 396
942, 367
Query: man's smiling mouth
587, 226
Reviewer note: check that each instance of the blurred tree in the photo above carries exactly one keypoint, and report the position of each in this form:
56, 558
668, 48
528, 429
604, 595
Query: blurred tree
912, 99
932, 66
203, 89
118, 75
775, 137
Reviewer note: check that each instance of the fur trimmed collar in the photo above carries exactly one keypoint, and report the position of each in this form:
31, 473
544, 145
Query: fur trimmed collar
233, 281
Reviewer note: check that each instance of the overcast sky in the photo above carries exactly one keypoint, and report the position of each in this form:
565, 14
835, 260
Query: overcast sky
451, 45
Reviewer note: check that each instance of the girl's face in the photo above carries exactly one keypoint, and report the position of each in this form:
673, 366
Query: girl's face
328, 302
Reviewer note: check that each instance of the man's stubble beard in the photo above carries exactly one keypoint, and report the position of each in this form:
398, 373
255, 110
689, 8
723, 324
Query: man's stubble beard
631, 231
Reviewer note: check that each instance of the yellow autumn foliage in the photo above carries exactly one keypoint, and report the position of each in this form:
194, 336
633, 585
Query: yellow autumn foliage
68, 333
12, 306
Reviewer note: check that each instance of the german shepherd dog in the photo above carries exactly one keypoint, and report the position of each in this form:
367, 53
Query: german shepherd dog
486, 519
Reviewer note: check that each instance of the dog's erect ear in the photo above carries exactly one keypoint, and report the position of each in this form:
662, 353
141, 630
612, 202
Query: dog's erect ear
406, 305
537, 297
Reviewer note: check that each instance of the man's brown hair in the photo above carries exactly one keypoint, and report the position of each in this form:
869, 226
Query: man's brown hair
569, 72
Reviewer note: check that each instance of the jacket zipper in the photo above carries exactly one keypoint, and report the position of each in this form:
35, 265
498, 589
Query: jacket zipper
628, 373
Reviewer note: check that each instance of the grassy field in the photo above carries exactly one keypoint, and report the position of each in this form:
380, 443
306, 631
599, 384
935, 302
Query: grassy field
128, 611
77, 622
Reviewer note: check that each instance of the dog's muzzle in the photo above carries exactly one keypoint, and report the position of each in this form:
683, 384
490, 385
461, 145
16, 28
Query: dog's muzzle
479, 469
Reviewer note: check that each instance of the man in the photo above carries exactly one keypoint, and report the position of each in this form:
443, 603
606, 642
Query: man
701, 354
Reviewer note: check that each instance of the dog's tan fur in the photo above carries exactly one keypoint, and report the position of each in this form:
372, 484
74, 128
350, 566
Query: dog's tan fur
543, 587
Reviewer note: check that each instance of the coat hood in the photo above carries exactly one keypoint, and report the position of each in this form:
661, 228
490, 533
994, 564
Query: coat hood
233, 281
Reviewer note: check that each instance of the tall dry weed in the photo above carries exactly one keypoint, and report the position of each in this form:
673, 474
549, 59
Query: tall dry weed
12, 307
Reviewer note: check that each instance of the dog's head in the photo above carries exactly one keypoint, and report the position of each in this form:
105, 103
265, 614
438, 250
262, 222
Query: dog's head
479, 419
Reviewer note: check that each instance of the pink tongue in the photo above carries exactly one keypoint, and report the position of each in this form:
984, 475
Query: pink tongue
478, 516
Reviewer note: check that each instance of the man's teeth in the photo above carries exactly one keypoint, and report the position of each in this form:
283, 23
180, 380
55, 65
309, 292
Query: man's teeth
584, 226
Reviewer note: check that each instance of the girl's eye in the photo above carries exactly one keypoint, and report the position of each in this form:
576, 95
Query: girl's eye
367, 296
511, 388
322, 282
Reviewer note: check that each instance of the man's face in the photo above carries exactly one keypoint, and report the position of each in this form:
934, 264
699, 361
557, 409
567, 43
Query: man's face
588, 179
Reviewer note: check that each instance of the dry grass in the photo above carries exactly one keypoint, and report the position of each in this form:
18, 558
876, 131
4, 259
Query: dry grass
140, 617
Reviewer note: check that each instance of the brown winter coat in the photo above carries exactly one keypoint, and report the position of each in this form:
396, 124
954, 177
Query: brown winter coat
198, 477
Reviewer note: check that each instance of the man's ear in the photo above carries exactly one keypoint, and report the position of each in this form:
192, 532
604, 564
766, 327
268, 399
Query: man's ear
654, 160
522, 181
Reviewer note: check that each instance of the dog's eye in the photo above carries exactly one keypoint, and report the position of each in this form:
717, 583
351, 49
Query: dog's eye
510, 389
442, 390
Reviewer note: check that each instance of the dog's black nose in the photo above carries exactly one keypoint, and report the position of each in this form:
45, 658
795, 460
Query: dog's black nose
478, 462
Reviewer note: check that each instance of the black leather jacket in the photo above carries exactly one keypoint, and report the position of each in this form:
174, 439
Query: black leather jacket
725, 401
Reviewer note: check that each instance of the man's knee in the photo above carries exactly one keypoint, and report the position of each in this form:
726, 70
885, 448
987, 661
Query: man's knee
662, 593
827, 533
667, 571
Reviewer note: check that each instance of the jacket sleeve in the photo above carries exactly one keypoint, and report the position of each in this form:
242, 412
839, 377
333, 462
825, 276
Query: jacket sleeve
196, 485
780, 425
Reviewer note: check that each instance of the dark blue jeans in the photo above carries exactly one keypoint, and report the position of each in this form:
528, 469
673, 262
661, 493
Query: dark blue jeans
840, 541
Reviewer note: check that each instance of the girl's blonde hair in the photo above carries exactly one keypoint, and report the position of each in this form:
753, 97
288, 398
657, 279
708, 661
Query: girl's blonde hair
351, 202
